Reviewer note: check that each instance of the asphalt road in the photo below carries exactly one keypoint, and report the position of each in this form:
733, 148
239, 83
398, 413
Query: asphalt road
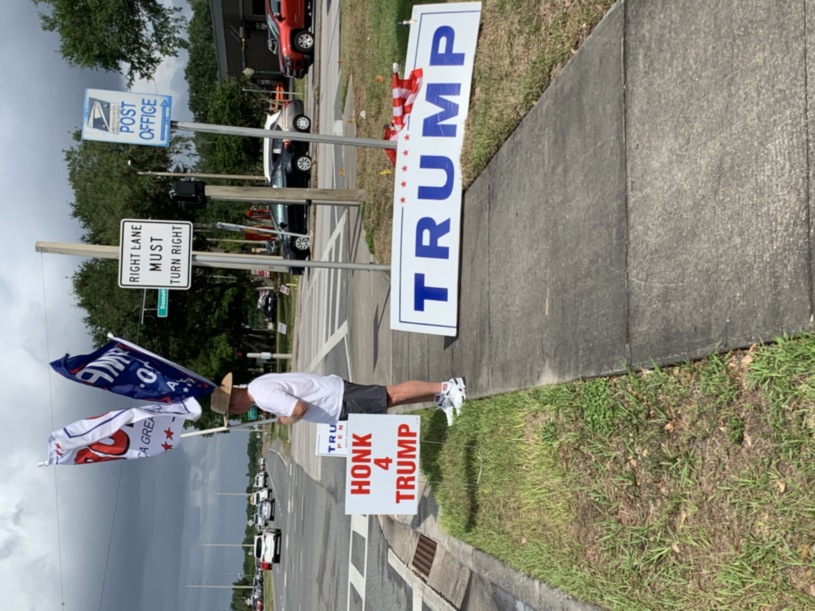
329, 560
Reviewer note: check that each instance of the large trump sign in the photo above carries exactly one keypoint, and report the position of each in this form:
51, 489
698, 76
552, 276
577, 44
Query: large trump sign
427, 189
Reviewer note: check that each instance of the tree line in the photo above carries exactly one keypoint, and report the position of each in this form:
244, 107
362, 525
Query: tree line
208, 322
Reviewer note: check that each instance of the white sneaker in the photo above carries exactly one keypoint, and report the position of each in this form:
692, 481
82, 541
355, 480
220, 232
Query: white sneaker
461, 383
455, 393
444, 405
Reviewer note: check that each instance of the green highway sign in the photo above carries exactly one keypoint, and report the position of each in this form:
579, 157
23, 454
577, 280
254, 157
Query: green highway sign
163, 302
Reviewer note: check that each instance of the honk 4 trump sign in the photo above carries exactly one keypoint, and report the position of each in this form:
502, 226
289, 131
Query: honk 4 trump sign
382, 465
427, 188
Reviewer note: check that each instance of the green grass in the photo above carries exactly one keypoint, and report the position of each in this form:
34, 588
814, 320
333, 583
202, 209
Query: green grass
268, 591
688, 487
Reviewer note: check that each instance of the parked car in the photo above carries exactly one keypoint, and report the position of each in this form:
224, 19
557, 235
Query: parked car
264, 494
262, 463
286, 162
267, 549
264, 514
292, 218
267, 303
291, 117
289, 23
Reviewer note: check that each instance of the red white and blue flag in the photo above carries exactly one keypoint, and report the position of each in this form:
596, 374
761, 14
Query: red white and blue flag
404, 93
137, 432
127, 369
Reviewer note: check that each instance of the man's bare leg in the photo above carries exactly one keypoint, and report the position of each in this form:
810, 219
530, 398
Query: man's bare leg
413, 391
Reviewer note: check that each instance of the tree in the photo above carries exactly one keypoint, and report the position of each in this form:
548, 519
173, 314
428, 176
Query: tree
206, 321
201, 72
228, 105
110, 34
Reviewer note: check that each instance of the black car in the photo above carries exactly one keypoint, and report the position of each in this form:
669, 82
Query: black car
290, 164
268, 305
291, 219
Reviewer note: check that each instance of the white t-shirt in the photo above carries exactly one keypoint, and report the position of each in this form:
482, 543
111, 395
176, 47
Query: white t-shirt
278, 393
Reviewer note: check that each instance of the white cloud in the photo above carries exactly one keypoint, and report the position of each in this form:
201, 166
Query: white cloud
56, 524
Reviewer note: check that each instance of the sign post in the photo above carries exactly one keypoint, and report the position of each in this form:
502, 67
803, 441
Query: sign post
163, 303
155, 254
127, 117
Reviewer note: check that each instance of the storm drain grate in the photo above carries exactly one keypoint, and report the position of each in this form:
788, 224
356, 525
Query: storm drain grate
423, 557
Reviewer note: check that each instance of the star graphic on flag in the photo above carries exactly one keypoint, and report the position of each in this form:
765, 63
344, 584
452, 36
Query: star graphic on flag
401, 200
168, 433
405, 152
404, 184
166, 446
407, 136
404, 168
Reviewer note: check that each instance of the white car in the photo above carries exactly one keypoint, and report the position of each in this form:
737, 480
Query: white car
264, 514
262, 463
261, 480
267, 549
285, 158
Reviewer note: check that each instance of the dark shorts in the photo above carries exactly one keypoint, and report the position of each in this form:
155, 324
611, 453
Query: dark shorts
363, 399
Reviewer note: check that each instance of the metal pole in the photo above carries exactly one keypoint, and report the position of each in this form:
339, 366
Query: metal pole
237, 427
227, 587
259, 132
265, 356
200, 175
346, 197
204, 259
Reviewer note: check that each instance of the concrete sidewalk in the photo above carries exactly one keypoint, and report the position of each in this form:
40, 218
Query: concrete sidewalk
654, 206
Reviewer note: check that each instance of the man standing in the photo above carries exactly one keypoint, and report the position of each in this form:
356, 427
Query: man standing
327, 399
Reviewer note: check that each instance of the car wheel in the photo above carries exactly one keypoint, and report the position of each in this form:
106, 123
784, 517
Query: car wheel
302, 243
302, 163
304, 41
302, 123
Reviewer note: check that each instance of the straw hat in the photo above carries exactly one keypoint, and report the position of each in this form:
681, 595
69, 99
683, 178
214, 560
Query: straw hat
220, 398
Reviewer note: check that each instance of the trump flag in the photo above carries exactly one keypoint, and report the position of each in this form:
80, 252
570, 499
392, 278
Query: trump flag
138, 432
126, 369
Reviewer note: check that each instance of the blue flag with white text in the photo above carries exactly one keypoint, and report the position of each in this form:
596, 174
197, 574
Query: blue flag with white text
126, 369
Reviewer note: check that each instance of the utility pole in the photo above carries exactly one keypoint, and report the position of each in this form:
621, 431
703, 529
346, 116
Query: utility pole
192, 585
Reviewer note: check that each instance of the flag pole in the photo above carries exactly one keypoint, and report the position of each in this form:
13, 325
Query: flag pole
224, 429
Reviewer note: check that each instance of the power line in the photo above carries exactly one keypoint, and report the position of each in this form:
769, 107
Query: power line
51, 402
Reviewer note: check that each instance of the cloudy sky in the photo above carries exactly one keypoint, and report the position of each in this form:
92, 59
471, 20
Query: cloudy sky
124, 536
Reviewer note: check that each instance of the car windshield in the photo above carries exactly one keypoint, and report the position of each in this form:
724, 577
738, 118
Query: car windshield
274, 29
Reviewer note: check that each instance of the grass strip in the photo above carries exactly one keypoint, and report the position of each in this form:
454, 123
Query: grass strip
688, 487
